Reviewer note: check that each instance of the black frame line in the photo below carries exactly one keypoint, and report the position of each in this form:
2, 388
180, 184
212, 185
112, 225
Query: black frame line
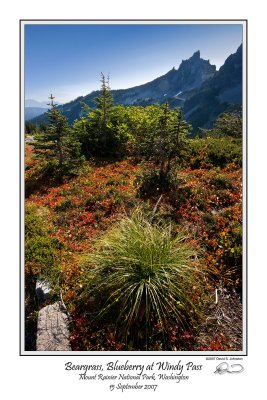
22, 200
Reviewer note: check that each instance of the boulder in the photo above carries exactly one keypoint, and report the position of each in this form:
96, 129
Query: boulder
53, 329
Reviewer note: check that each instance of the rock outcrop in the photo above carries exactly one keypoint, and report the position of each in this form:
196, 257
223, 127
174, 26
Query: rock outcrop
53, 329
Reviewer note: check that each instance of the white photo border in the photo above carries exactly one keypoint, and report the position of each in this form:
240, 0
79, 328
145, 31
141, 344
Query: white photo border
244, 23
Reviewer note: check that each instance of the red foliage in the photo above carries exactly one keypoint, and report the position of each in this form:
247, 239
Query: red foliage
88, 204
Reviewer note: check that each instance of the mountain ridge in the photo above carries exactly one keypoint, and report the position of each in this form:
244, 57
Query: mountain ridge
194, 80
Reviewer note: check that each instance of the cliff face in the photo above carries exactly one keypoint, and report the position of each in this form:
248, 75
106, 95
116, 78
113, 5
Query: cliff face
190, 75
221, 93
193, 72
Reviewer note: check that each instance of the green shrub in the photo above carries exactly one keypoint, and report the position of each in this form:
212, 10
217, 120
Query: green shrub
40, 248
228, 124
232, 257
140, 273
64, 205
151, 182
213, 152
180, 196
221, 181
47, 173
210, 220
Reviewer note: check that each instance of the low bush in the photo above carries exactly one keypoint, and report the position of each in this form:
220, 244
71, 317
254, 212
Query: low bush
213, 152
210, 220
180, 196
151, 182
40, 248
46, 174
221, 181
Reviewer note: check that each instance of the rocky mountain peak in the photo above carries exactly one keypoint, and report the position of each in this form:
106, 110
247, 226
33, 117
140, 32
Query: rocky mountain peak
194, 71
196, 55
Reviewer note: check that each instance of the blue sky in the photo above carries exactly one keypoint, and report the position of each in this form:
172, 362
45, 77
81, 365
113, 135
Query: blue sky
67, 60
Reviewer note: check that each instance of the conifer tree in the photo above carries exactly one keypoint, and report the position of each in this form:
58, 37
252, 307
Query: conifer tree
104, 104
57, 144
168, 139
228, 124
